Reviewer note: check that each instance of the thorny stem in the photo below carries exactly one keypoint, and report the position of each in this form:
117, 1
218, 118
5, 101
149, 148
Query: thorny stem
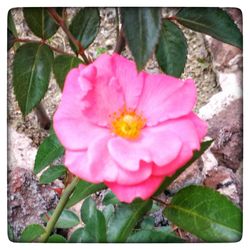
27, 40
57, 212
160, 201
60, 21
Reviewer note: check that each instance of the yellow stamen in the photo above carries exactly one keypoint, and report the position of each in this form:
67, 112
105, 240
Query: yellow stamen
127, 123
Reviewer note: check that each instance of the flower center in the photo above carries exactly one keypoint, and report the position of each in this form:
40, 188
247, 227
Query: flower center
126, 123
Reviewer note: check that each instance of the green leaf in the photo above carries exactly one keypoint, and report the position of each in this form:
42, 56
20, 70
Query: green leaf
142, 29
108, 211
153, 236
171, 52
110, 198
67, 219
147, 223
31, 233
88, 208
31, 73
52, 173
80, 235
212, 21
11, 234
84, 26
12, 33
125, 219
48, 151
40, 22
62, 65
96, 227
205, 213
56, 238
94, 220
197, 154
11, 24
83, 189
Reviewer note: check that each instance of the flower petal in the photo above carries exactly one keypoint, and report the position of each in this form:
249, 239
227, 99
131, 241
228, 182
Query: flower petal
154, 145
130, 80
93, 165
73, 129
142, 190
165, 97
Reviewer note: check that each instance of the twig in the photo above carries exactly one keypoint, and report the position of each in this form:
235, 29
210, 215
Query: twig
42, 116
159, 200
60, 21
120, 43
27, 40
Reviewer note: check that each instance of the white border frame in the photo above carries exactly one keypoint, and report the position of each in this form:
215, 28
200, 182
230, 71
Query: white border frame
6, 244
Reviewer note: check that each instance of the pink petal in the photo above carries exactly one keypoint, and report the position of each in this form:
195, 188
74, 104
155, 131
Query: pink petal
72, 128
154, 145
165, 97
143, 190
184, 156
200, 125
130, 80
93, 165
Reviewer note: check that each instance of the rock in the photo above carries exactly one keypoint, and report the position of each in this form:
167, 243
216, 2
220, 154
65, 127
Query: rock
227, 131
225, 181
27, 200
21, 153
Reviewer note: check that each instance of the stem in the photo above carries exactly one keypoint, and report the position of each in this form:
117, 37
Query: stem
42, 116
57, 212
120, 44
160, 201
27, 40
60, 21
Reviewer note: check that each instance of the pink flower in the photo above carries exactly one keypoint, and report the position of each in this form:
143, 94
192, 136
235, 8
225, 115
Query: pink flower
124, 128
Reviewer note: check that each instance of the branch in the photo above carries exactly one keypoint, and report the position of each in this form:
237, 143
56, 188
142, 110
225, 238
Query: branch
57, 212
27, 40
60, 21
120, 44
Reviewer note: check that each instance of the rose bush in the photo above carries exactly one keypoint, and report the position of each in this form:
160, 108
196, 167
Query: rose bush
124, 128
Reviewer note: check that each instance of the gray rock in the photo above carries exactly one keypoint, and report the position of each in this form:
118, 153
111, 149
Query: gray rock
27, 200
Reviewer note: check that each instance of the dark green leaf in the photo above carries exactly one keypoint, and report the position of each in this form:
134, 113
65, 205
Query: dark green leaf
31, 233
52, 173
56, 238
110, 198
62, 65
142, 29
85, 26
125, 218
80, 235
11, 40
11, 24
31, 74
67, 219
88, 209
205, 213
212, 21
83, 189
108, 211
197, 154
153, 236
96, 227
12, 33
10, 234
49, 150
171, 50
40, 22
147, 223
